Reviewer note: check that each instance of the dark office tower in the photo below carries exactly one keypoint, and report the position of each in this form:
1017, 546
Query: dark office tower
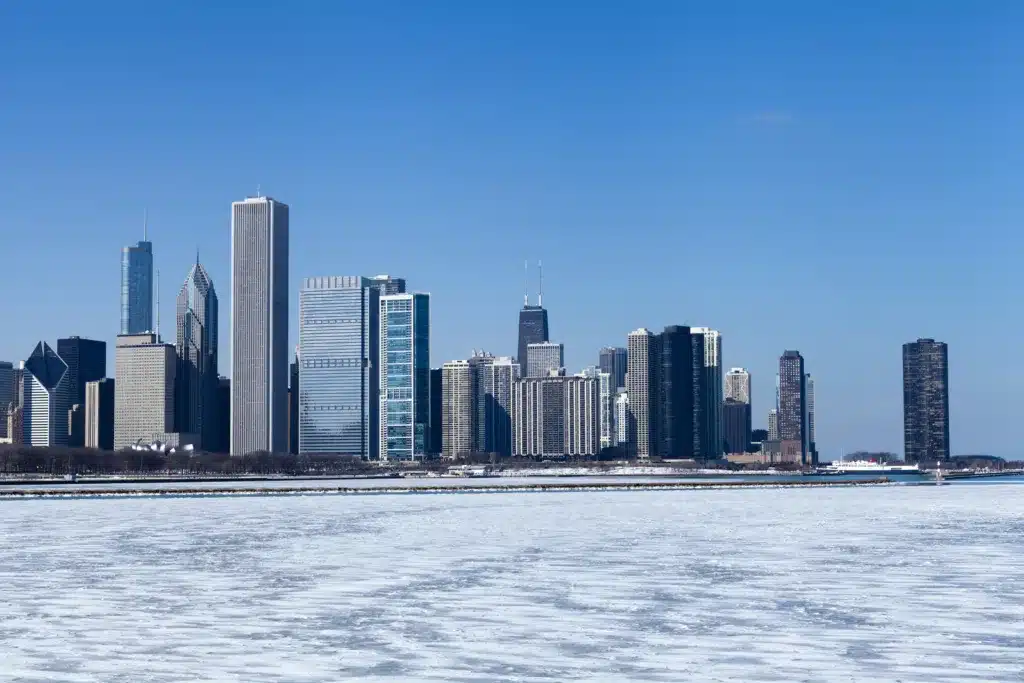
925, 401
736, 425
613, 360
434, 433
195, 385
137, 286
293, 407
533, 328
6, 395
87, 362
386, 284
222, 443
678, 393
99, 414
705, 402
76, 426
792, 415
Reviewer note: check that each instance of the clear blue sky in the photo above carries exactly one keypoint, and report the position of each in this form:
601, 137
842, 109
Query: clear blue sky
837, 180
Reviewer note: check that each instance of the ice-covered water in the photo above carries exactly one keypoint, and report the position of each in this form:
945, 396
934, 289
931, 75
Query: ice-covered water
868, 584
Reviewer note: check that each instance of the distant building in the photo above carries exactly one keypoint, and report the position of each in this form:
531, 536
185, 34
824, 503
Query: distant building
87, 362
773, 424
737, 385
15, 425
6, 395
736, 422
338, 376
622, 427
681, 421
606, 402
925, 401
404, 376
642, 386
45, 398
223, 442
137, 287
809, 392
99, 414
544, 357
494, 382
792, 408
533, 329
614, 360
758, 435
197, 356
436, 405
711, 392
456, 410
385, 284
556, 416
479, 366
144, 390
259, 326
76, 426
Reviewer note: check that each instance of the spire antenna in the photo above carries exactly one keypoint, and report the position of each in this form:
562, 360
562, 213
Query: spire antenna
526, 283
145, 225
540, 290
158, 306
258, 191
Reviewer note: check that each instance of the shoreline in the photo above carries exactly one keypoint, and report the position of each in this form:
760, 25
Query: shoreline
426, 490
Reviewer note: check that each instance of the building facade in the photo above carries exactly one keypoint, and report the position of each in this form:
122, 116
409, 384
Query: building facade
339, 356
259, 326
737, 385
773, 424
145, 370
404, 376
543, 357
499, 378
87, 362
44, 398
533, 329
622, 427
385, 284
556, 417
711, 392
435, 433
196, 350
6, 395
925, 401
642, 386
680, 414
736, 425
614, 361
293, 404
99, 414
792, 407
137, 288
457, 410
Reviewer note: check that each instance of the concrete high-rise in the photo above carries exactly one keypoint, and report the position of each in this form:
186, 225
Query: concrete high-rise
497, 379
556, 416
45, 398
737, 385
773, 424
196, 352
792, 407
457, 407
925, 401
622, 427
145, 370
642, 386
259, 326
606, 404
99, 414
544, 357
479, 363
614, 360
711, 392
339, 356
137, 286
6, 395
87, 362
404, 376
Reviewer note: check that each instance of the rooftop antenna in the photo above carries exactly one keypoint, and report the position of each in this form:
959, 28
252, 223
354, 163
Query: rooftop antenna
257, 190
526, 283
540, 292
158, 306
145, 225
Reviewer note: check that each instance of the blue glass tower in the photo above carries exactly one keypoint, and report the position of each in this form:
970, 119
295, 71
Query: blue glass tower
137, 287
404, 376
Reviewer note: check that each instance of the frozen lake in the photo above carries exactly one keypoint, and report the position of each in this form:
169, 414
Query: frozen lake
900, 583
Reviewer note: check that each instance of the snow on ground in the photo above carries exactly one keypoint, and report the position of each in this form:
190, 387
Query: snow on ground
881, 584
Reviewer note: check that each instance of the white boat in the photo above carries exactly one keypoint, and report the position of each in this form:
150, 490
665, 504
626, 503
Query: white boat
868, 467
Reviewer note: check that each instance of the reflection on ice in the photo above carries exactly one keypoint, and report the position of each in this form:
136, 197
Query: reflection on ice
893, 583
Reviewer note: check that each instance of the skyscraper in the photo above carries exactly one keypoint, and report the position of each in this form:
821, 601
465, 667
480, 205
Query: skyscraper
479, 364
711, 392
622, 427
456, 410
544, 357
925, 401
137, 286
613, 360
737, 385
736, 425
792, 415
99, 414
533, 328
556, 416
385, 284
680, 415
436, 397
499, 377
809, 391
87, 362
196, 352
404, 376
642, 386
259, 326
606, 398
293, 404
339, 397
145, 370
45, 398
773, 424
6, 395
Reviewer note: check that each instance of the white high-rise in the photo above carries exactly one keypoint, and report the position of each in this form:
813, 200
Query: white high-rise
640, 374
737, 385
259, 326
543, 358
773, 424
145, 370
622, 417
606, 397
457, 406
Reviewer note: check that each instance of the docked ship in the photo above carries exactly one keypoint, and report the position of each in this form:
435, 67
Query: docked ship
867, 467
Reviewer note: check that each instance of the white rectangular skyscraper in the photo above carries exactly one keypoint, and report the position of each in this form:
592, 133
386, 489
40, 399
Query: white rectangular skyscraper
259, 326
544, 357
145, 370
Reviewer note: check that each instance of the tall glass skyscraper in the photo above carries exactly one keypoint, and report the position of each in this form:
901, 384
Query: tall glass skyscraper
792, 408
137, 287
338, 366
404, 376
259, 326
196, 348
925, 401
